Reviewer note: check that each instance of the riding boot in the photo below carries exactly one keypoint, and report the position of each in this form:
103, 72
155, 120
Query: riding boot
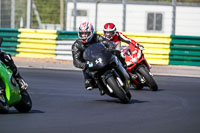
88, 80
88, 84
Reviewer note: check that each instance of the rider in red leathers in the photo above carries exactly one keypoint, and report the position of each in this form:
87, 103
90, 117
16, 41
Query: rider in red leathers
111, 34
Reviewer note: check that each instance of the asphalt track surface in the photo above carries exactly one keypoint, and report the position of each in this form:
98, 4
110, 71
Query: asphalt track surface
62, 105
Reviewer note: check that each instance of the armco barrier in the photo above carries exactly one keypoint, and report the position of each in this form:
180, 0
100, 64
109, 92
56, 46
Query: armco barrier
37, 43
46, 43
64, 42
185, 50
156, 47
161, 49
10, 42
67, 35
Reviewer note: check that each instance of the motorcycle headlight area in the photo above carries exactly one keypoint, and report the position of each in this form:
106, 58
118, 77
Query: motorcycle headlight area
134, 60
139, 55
128, 63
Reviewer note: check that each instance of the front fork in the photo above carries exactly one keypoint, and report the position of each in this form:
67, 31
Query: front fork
103, 84
140, 77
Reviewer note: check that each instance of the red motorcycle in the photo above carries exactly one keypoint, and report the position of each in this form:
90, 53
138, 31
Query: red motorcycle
138, 68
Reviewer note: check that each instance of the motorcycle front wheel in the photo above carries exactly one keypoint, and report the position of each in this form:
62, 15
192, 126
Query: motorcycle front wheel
117, 90
4, 108
138, 86
149, 79
25, 104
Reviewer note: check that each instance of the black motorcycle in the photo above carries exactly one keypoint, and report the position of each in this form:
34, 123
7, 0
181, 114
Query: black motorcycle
107, 72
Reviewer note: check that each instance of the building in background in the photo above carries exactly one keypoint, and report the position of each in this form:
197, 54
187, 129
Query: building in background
137, 17
140, 17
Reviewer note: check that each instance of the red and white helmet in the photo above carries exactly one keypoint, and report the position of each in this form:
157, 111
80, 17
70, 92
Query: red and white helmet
86, 32
109, 30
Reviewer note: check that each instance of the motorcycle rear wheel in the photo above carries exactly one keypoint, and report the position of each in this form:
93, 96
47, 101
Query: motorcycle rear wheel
25, 104
118, 92
149, 79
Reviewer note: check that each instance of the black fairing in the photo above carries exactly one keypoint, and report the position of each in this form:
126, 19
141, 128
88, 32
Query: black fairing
97, 55
103, 65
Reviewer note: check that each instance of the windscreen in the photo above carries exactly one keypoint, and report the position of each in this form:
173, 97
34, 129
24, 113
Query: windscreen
97, 54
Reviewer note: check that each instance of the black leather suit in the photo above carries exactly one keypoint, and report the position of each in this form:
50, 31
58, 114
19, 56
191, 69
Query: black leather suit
78, 48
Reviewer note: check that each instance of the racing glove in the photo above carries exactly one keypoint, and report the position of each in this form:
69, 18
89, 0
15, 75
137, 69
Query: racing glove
141, 47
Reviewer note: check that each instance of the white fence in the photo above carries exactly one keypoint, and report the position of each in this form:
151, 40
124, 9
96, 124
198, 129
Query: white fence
187, 17
136, 17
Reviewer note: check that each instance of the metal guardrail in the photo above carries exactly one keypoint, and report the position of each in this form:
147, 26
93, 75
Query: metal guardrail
185, 50
64, 42
162, 49
10, 42
36, 43
63, 50
156, 47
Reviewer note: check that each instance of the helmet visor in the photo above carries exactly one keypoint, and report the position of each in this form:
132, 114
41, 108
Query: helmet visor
84, 35
109, 34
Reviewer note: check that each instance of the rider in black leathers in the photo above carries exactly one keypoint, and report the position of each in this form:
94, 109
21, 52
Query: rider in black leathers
86, 38
8, 61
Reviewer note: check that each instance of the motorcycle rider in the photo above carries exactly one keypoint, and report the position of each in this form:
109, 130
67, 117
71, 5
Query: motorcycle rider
8, 61
87, 37
110, 32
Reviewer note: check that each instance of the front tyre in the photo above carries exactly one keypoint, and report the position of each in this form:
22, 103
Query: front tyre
4, 108
149, 79
138, 86
118, 91
25, 104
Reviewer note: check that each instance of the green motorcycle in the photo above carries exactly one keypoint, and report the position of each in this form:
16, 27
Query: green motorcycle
11, 94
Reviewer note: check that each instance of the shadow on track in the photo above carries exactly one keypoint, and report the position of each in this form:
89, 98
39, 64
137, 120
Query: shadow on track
132, 101
145, 89
31, 112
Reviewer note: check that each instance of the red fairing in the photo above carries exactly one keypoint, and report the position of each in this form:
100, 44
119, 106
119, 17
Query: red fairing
132, 57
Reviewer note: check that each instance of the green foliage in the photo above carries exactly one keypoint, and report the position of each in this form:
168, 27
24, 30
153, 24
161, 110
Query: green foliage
49, 11
20, 11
